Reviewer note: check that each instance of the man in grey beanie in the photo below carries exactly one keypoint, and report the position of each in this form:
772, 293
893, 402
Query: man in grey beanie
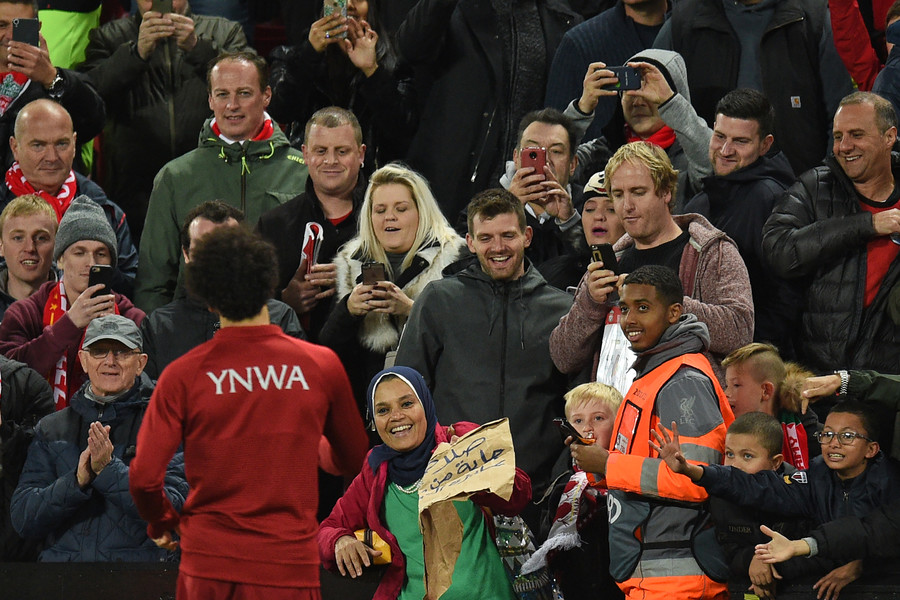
45, 329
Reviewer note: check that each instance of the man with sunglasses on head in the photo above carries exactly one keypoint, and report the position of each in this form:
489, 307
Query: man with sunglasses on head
73, 491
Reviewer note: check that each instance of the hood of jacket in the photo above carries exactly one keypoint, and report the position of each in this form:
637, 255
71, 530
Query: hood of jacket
685, 336
776, 168
671, 65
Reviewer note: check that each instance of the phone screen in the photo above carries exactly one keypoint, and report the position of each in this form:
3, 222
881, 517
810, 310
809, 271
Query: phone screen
26, 31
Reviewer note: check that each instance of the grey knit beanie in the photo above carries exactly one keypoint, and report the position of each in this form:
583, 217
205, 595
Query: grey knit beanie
84, 220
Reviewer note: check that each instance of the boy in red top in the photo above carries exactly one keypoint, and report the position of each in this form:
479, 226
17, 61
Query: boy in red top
250, 407
660, 549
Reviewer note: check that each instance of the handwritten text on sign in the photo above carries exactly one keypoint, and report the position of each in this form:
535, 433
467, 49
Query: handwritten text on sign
481, 460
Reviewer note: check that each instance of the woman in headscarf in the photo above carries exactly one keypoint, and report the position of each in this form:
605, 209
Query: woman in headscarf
384, 498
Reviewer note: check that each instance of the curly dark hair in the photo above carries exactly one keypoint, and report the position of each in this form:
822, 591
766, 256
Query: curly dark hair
215, 211
233, 271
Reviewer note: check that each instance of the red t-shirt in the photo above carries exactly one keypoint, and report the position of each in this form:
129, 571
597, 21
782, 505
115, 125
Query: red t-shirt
880, 251
250, 407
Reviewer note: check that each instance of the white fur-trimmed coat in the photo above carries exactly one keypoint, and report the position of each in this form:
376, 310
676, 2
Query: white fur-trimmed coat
381, 332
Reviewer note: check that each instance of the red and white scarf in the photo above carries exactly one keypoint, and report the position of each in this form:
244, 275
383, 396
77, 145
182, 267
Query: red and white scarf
12, 84
56, 306
795, 447
16, 182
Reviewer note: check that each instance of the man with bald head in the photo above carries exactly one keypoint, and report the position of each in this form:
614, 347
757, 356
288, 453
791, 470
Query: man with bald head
27, 74
44, 146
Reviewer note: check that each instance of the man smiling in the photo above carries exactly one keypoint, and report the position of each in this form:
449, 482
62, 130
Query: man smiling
334, 153
243, 159
836, 230
489, 326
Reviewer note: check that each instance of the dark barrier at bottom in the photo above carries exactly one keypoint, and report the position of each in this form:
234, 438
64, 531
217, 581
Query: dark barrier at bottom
156, 581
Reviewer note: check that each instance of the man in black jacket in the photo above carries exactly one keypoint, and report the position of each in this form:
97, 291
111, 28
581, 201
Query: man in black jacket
334, 153
738, 198
183, 324
834, 231
150, 70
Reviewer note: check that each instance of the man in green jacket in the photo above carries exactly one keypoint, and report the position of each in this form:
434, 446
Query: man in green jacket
150, 69
243, 159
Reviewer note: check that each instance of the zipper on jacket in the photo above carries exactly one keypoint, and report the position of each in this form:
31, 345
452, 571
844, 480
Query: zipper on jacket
484, 142
244, 177
503, 347
170, 101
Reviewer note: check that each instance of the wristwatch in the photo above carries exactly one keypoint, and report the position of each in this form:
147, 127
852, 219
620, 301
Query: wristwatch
55, 90
845, 382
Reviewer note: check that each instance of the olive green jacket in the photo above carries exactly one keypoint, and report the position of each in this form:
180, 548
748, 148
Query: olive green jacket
254, 177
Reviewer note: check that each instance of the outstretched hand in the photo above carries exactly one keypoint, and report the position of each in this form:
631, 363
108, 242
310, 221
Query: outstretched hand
779, 548
668, 448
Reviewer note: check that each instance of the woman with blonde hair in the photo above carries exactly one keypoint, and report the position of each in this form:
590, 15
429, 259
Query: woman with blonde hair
402, 232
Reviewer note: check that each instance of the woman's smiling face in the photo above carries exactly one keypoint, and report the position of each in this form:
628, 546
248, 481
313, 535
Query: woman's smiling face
395, 217
399, 415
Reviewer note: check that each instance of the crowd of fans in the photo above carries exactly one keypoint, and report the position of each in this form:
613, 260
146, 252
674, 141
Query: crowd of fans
677, 259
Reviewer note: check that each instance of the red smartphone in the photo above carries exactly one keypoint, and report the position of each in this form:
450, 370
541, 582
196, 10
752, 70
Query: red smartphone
372, 273
533, 156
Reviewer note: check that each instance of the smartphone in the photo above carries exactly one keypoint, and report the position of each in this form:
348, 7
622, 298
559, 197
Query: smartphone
162, 6
629, 78
335, 6
566, 430
373, 272
605, 254
26, 30
533, 156
101, 274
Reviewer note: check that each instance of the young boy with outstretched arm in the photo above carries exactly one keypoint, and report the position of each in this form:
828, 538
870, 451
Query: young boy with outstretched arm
852, 477
753, 444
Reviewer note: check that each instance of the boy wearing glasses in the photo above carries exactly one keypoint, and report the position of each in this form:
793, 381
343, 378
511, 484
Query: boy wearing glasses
851, 478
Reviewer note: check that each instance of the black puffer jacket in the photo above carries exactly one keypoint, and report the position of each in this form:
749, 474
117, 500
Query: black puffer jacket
818, 232
26, 398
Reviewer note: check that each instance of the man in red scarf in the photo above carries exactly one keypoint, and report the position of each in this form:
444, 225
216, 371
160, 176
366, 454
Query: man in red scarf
44, 146
242, 159
44, 330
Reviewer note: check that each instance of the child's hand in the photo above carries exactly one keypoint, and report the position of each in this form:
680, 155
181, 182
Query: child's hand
761, 578
590, 458
668, 448
779, 549
831, 585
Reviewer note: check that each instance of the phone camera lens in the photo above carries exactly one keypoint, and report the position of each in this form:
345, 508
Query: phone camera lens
532, 155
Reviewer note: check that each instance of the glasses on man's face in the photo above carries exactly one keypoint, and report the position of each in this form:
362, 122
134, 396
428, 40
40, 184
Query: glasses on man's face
845, 438
118, 353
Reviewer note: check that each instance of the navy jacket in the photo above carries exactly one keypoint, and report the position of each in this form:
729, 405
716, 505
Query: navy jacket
99, 523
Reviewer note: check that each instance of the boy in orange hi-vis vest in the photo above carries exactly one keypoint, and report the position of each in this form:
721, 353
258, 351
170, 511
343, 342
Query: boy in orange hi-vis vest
662, 541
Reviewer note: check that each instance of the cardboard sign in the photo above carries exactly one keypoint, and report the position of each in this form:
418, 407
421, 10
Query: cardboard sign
483, 460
